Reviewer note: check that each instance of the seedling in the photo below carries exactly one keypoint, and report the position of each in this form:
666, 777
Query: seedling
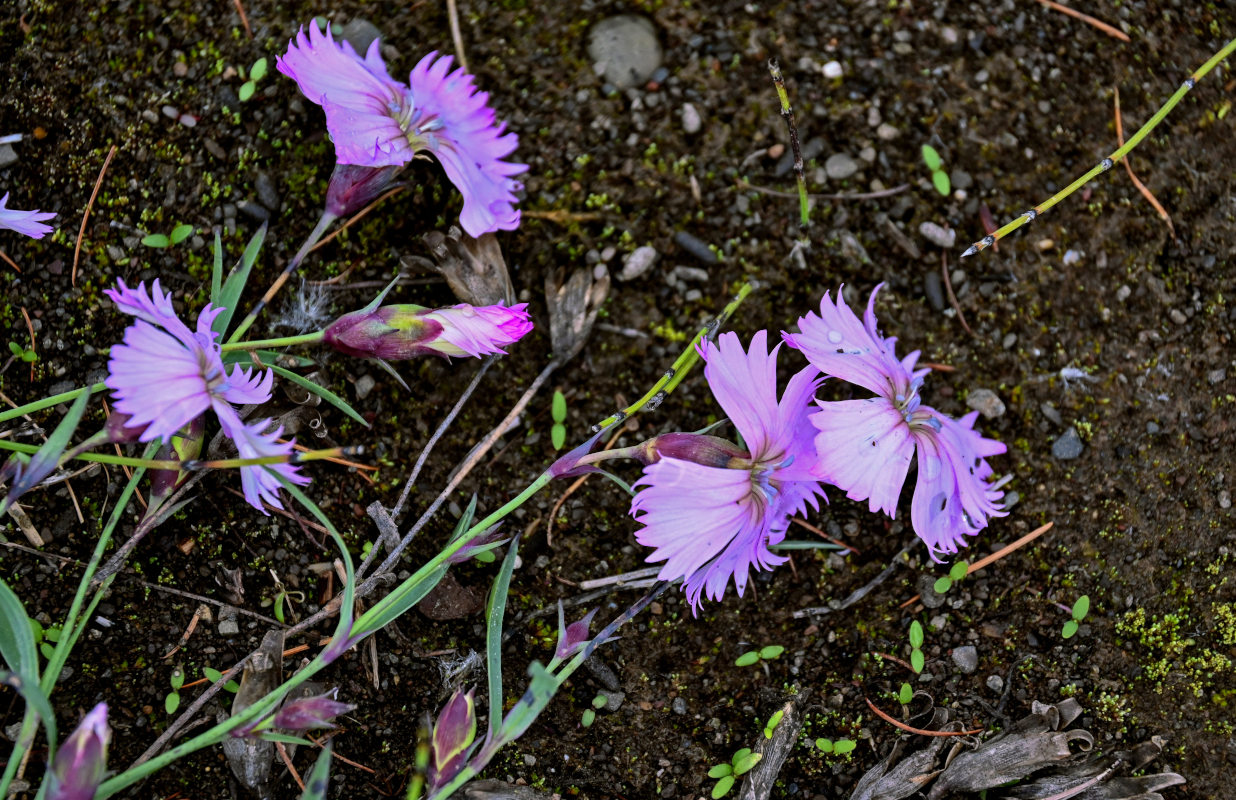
837, 748
256, 73
917, 661
172, 701
905, 694
939, 178
766, 653
213, 675
1079, 611
726, 774
557, 434
590, 714
45, 638
773, 722
178, 235
20, 352
283, 595
955, 573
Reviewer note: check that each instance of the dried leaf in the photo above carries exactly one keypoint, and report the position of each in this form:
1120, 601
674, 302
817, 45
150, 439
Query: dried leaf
573, 307
474, 268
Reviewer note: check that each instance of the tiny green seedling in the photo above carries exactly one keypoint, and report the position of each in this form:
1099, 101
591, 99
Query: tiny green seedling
917, 660
939, 178
178, 235
772, 724
256, 73
726, 774
213, 675
172, 701
837, 748
20, 352
590, 714
766, 653
955, 573
557, 434
284, 595
1080, 609
905, 694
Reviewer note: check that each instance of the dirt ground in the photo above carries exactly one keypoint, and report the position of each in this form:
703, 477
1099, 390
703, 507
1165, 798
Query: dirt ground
1098, 329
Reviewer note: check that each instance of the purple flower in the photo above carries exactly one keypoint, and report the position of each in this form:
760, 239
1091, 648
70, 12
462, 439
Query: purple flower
574, 636
81, 762
398, 332
164, 376
377, 121
865, 446
453, 734
28, 222
713, 520
310, 712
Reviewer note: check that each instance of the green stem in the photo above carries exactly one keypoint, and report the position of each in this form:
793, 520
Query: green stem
267, 344
148, 463
48, 402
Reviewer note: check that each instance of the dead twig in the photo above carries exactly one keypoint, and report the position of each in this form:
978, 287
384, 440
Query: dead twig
805, 524
9, 261
952, 298
919, 731
81, 233
244, 20
1141, 187
1115, 33
452, 13
355, 218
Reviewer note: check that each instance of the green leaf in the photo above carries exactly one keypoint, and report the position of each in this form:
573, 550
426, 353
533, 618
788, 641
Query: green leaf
155, 240
942, 585
599, 701
319, 779
47, 650
774, 721
211, 674
321, 391
229, 295
29, 356
16, 349
180, 233
284, 738
958, 570
916, 634
825, 745
1081, 608
231, 686
747, 659
720, 771
939, 179
744, 764
258, 70
588, 718
931, 158
216, 272
17, 642
769, 652
42, 464
557, 436
917, 662
559, 407
1070, 629
246, 91
178, 678
843, 746
495, 611
723, 787
905, 694
172, 702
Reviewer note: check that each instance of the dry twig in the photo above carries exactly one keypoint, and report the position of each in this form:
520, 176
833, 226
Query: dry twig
77, 250
908, 729
1141, 187
1115, 33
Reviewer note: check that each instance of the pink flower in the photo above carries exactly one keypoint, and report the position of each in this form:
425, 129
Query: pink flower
81, 762
29, 223
865, 446
397, 332
377, 121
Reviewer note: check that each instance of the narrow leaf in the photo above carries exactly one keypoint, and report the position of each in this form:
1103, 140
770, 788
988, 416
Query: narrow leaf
321, 391
246, 91
916, 634
495, 611
940, 180
319, 779
234, 286
747, 659
180, 233
216, 273
16, 636
258, 71
1081, 608
155, 240
917, 660
559, 407
723, 787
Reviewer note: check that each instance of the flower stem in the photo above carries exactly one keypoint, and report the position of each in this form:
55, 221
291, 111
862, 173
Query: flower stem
48, 402
266, 344
227, 463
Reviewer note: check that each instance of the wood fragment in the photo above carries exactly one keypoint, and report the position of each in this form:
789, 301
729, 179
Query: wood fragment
1115, 33
77, 249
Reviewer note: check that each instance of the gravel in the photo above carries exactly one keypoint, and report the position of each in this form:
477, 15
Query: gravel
1068, 446
638, 262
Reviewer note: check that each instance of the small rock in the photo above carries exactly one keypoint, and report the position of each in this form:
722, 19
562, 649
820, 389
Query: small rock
939, 236
254, 211
171, 112
638, 262
966, 658
1071, 257
180, 69
1216, 376
1044, 245
1178, 316
360, 33
775, 151
227, 621
960, 179
833, 69
1051, 413
1010, 339
625, 49
995, 683
529, 760
691, 121
188, 120
1010, 499
1068, 446
364, 385
688, 275
696, 247
8, 155
986, 402
613, 700
149, 115
934, 288
1152, 428
679, 706
839, 166
1225, 499
887, 132
1123, 293
266, 193
927, 592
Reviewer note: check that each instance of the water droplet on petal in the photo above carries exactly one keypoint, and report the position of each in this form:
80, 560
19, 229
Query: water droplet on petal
835, 336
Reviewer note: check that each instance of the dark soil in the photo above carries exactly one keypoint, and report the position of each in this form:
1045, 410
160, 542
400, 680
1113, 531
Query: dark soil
1015, 96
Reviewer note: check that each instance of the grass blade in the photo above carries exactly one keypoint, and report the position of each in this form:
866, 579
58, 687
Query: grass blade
495, 612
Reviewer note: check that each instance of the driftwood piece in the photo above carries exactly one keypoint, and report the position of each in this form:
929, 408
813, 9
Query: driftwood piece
758, 783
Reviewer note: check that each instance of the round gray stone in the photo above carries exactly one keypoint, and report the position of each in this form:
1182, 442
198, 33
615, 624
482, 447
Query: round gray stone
966, 658
637, 263
986, 402
625, 49
1068, 446
839, 166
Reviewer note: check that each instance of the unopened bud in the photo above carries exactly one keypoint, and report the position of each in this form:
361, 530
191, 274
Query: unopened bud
311, 712
453, 734
81, 762
352, 187
574, 636
399, 332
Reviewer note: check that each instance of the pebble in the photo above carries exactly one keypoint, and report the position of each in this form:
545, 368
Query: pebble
188, 120
1225, 499
776, 150
934, 288
180, 69
986, 402
639, 261
1178, 316
149, 115
1068, 446
1216, 376
966, 658
995, 683
696, 247
171, 112
1123, 293
679, 706
691, 121
227, 622
1010, 339
613, 699
839, 166
266, 193
960, 179
254, 211
939, 236
625, 49
1051, 413
360, 33
887, 132
833, 69
364, 385
927, 592
8, 155
687, 275
1071, 257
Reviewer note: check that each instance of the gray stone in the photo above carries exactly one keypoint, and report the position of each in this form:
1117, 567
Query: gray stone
926, 586
887, 132
691, 121
696, 247
227, 621
934, 287
625, 49
966, 658
938, 235
613, 700
960, 179
1216, 376
986, 402
688, 275
1068, 446
833, 69
637, 263
839, 166
679, 706
266, 192
364, 385
995, 683
1051, 413
7, 155
360, 33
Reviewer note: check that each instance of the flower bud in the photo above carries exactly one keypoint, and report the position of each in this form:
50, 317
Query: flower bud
353, 186
186, 445
399, 332
453, 733
710, 451
574, 636
311, 712
81, 762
